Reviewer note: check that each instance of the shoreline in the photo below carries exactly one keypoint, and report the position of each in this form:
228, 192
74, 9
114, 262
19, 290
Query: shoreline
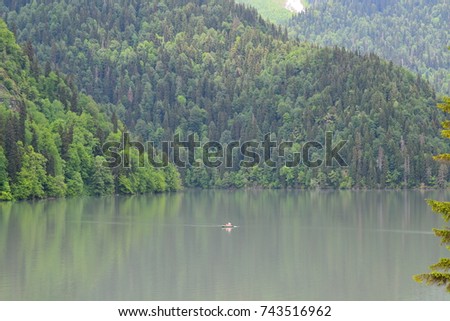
254, 188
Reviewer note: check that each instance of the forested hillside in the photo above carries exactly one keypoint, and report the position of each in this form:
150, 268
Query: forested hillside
50, 134
218, 70
411, 33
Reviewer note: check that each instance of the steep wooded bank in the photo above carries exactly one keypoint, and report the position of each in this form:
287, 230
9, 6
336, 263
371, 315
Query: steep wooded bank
50, 135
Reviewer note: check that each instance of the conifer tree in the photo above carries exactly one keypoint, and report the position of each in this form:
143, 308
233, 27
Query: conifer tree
440, 272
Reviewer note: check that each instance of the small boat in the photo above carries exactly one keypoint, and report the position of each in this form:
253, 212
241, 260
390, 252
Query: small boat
228, 225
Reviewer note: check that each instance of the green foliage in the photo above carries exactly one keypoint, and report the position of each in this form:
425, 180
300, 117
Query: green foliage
101, 181
434, 278
442, 208
125, 185
443, 264
5, 190
50, 134
172, 177
32, 176
440, 272
410, 33
218, 70
223, 73
56, 186
75, 185
140, 177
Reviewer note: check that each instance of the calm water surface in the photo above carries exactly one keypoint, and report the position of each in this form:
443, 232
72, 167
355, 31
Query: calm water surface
290, 245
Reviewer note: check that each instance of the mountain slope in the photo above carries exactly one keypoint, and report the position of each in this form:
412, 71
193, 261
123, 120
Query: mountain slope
218, 70
50, 134
414, 34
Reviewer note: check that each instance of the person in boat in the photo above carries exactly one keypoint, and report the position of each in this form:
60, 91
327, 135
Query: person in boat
229, 224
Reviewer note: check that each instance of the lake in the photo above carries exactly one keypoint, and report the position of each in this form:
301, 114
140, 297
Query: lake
290, 245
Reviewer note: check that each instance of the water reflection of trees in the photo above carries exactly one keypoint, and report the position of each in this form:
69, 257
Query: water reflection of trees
166, 246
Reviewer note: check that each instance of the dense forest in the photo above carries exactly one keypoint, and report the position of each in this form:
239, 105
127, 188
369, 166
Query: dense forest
50, 135
411, 33
218, 70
